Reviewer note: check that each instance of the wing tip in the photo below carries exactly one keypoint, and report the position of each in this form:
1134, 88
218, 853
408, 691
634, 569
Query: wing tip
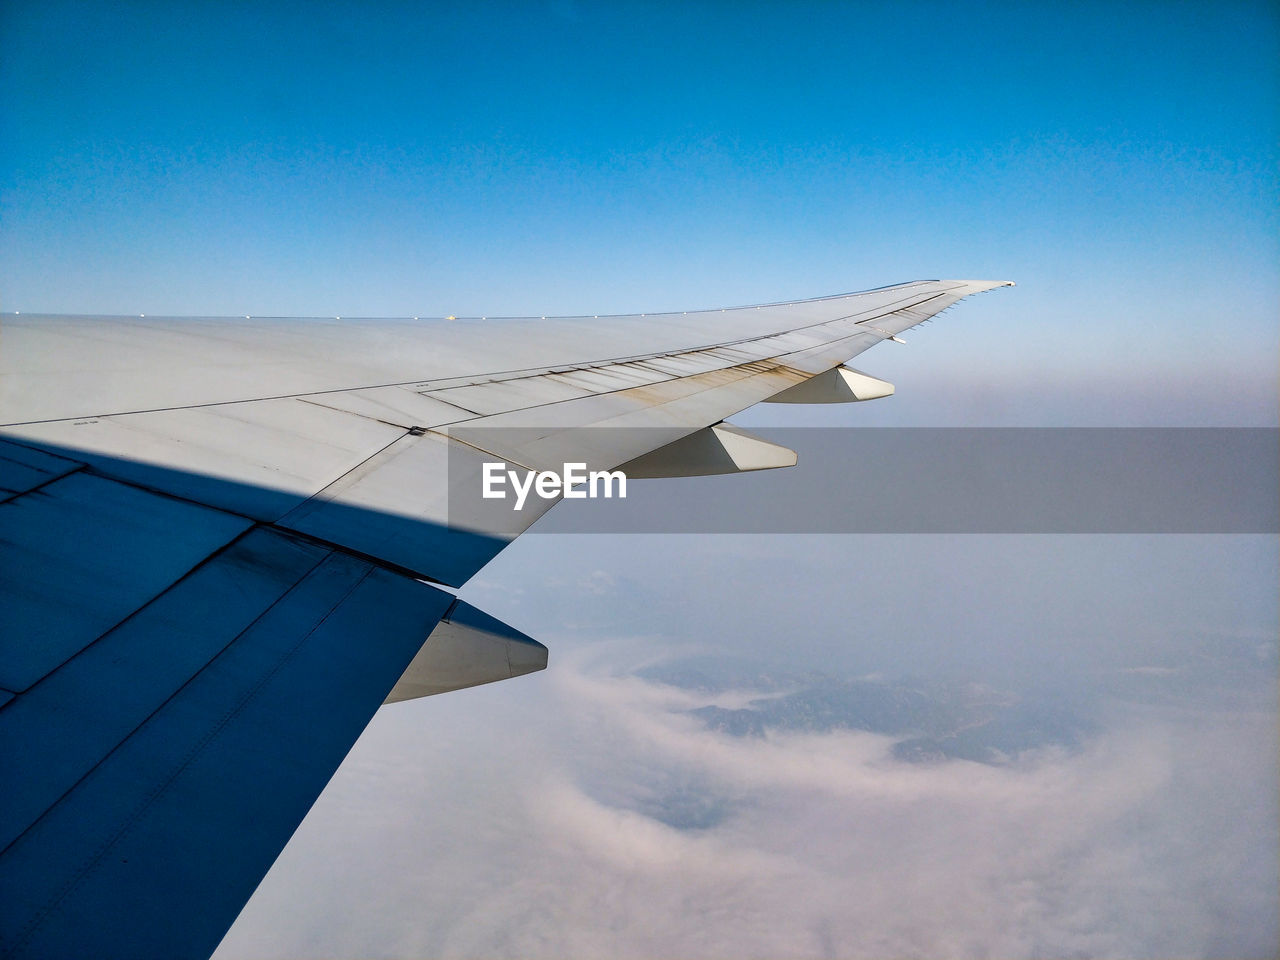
981, 285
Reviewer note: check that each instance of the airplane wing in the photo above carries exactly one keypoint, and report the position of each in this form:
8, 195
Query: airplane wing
225, 542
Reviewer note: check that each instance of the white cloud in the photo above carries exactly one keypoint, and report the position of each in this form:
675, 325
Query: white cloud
520, 825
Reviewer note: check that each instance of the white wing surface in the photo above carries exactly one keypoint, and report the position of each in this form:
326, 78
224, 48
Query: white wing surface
222, 544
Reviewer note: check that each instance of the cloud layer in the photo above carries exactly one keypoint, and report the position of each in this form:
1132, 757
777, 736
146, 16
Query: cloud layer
539, 823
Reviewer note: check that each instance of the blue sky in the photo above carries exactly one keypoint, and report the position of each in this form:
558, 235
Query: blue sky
1119, 162
547, 158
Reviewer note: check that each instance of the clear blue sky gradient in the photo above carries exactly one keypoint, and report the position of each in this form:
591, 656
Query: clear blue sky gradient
1118, 161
